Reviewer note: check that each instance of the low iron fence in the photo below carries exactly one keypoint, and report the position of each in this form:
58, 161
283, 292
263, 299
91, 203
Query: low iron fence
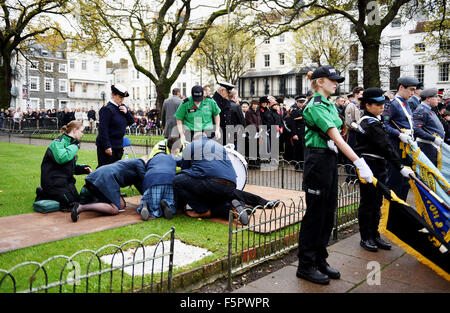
272, 232
129, 267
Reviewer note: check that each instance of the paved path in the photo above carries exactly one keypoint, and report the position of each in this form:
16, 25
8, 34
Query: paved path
399, 273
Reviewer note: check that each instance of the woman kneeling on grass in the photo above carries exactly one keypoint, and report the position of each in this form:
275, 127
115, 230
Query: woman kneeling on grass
59, 166
104, 184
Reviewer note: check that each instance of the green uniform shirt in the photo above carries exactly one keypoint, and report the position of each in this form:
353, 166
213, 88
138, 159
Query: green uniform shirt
322, 113
197, 117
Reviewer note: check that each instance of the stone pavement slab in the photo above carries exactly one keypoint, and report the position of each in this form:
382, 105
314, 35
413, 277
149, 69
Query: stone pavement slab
398, 272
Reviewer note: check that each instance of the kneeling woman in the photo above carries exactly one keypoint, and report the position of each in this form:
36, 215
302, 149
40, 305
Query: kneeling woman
105, 182
60, 165
372, 143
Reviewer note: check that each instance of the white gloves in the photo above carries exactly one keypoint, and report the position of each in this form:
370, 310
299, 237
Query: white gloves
364, 170
438, 141
332, 145
405, 171
404, 137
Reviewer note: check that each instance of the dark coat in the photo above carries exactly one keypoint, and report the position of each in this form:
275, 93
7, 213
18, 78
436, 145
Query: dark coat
253, 118
112, 126
225, 110
237, 117
108, 179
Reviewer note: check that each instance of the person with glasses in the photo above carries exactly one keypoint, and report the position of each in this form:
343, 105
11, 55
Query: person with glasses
429, 131
59, 167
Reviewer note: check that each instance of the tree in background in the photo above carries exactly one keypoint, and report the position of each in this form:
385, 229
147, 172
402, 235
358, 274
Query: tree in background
168, 29
226, 51
21, 24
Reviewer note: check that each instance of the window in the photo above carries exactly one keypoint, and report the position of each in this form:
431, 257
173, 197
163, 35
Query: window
352, 28
83, 65
34, 65
63, 85
184, 89
299, 58
48, 84
266, 60
394, 74
96, 66
134, 93
395, 48
62, 103
444, 44
252, 87
44, 53
63, 68
138, 92
72, 64
419, 72
72, 87
266, 86
252, 62
282, 38
267, 41
84, 87
59, 54
354, 53
396, 22
443, 72
48, 66
281, 58
353, 78
49, 103
34, 103
34, 83
419, 47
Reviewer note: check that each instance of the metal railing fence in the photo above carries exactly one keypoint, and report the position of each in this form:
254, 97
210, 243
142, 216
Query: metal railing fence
89, 271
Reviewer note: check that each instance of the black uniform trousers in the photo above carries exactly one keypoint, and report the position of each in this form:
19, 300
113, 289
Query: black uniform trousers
320, 183
395, 181
371, 200
104, 159
430, 151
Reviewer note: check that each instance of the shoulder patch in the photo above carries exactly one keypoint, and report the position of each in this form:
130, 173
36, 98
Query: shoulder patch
317, 99
185, 100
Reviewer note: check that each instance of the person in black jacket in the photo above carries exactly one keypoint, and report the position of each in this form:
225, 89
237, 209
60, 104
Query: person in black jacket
221, 96
60, 165
113, 121
92, 118
373, 144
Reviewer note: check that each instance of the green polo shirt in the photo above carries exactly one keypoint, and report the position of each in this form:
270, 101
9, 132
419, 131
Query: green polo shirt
197, 117
322, 113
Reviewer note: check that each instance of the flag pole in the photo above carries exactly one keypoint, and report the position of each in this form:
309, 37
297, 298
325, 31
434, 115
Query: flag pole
414, 177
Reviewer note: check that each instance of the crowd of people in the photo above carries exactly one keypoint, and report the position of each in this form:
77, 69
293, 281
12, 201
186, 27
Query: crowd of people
190, 171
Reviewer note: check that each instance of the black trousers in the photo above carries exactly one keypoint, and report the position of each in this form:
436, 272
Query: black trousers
371, 200
430, 151
247, 198
104, 159
320, 182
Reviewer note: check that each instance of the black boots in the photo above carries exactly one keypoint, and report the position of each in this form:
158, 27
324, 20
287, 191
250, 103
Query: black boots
369, 245
326, 269
382, 244
313, 274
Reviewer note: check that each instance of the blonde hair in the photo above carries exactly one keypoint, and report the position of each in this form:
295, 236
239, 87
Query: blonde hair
66, 129
314, 82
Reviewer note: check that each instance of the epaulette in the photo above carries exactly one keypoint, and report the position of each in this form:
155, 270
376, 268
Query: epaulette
317, 99
185, 100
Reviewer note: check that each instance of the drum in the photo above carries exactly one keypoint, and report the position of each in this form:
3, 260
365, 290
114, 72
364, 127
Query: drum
239, 165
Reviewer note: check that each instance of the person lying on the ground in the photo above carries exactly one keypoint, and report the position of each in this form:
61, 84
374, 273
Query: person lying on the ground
59, 167
104, 184
163, 146
158, 199
207, 180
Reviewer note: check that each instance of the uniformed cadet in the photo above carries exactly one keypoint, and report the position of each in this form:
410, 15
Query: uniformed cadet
195, 114
372, 143
222, 98
399, 125
414, 101
320, 177
113, 121
428, 128
298, 131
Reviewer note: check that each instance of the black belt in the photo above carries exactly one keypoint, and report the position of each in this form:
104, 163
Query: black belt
321, 151
224, 182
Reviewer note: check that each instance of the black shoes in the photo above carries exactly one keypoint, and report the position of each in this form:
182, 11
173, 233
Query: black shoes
241, 211
166, 210
313, 275
382, 244
326, 269
369, 245
144, 211
74, 212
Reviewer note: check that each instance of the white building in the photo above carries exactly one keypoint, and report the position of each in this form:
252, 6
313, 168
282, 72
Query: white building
88, 84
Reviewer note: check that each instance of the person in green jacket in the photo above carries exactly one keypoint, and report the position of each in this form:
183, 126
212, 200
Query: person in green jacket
198, 114
59, 167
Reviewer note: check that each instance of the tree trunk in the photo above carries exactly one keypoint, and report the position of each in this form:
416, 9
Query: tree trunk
5, 82
162, 93
371, 62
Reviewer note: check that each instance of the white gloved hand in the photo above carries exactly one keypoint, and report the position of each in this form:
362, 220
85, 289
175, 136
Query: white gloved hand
404, 137
364, 170
332, 145
405, 171
438, 141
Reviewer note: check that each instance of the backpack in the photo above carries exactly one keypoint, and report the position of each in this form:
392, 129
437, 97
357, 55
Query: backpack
46, 206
